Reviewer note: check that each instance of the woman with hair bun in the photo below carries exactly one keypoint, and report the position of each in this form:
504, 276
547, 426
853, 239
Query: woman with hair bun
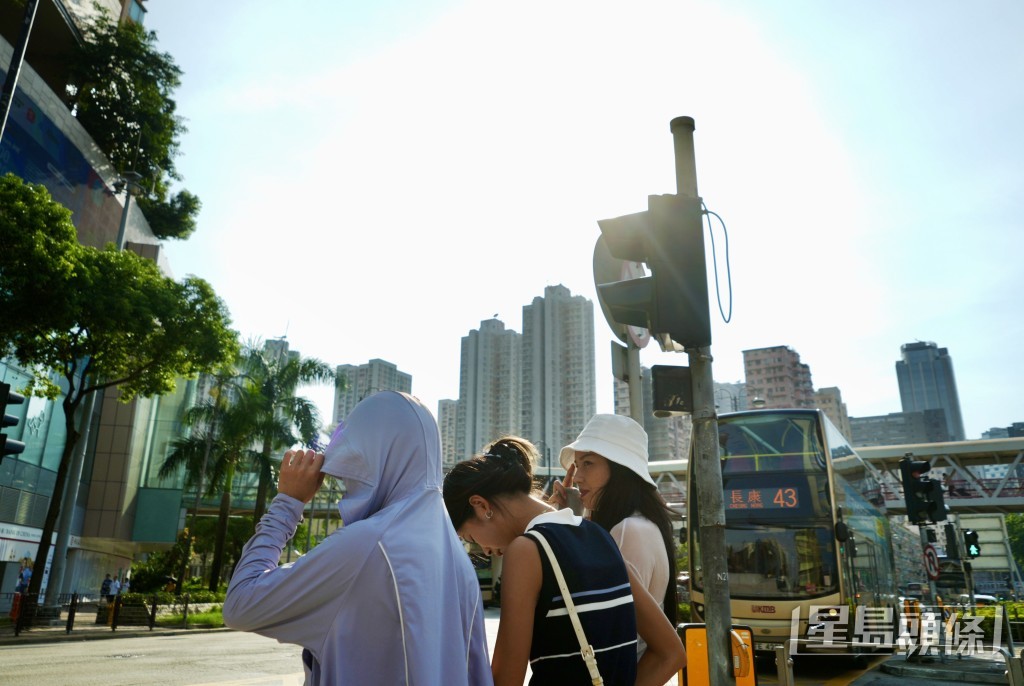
492, 502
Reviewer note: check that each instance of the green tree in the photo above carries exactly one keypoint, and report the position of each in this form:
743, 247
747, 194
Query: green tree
122, 91
109, 319
283, 418
1015, 534
223, 440
253, 412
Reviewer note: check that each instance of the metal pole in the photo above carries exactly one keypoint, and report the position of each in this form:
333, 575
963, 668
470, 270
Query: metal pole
635, 383
68, 504
710, 496
123, 229
17, 59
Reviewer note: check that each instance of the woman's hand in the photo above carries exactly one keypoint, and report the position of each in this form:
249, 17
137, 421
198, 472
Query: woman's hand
560, 489
300, 474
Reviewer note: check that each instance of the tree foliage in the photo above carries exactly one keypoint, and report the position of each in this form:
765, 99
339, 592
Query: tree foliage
92, 319
38, 233
253, 413
122, 91
1015, 534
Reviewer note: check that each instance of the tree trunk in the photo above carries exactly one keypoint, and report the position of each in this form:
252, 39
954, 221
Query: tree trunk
264, 486
222, 529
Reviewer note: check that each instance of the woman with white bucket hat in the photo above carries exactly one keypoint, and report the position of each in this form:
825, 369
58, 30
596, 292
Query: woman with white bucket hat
608, 464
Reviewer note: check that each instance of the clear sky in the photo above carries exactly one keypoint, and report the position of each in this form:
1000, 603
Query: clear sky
378, 178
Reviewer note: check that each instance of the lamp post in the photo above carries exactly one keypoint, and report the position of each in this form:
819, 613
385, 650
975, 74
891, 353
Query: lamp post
734, 401
129, 182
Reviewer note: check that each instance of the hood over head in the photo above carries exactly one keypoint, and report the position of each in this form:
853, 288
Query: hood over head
387, 449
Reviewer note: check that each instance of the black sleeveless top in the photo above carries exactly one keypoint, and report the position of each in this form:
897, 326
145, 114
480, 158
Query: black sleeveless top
597, 579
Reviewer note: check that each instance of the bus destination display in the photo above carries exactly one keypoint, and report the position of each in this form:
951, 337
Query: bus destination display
773, 498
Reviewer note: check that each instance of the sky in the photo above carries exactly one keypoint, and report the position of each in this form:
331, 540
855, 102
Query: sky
379, 178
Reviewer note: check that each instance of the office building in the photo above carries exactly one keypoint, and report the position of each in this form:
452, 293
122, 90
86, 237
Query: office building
899, 428
926, 381
490, 387
364, 380
122, 507
559, 393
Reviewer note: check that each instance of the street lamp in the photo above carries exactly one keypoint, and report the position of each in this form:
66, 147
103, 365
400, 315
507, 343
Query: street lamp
128, 182
733, 399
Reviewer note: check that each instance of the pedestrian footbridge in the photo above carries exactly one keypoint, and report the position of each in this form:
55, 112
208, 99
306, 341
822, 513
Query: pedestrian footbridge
985, 476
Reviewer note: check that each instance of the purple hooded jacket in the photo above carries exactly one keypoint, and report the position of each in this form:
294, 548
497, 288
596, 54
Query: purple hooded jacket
390, 598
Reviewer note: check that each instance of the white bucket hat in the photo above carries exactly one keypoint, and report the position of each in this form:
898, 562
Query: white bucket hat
616, 438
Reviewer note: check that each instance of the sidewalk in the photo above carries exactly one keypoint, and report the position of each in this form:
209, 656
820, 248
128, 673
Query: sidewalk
89, 631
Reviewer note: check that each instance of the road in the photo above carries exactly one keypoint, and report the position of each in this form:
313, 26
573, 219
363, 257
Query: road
240, 659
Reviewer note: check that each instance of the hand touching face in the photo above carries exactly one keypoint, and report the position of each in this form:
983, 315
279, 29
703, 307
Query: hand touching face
300, 474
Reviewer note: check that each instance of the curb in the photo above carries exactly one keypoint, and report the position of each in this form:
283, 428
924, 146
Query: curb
976, 671
37, 637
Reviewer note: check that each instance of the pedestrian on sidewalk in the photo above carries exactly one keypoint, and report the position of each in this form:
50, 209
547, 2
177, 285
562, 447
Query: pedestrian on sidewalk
105, 588
391, 597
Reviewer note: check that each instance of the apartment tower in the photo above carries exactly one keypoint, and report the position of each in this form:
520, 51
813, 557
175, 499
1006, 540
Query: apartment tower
489, 387
364, 380
776, 377
559, 394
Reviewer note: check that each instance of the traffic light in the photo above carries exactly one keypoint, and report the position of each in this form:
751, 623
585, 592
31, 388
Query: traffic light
673, 301
9, 446
971, 544
924, 497
952, 549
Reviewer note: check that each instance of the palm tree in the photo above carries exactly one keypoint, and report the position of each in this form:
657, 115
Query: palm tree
223, 440
282, 418
253, 412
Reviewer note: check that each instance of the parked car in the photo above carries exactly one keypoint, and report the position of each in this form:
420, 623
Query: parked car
980, 599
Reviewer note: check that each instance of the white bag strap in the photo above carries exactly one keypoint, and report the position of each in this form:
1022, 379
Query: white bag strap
586, 649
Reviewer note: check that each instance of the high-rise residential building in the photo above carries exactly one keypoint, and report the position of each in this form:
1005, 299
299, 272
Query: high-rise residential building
364, 380
925, 376
668, 438
830, 401
490, 387
447, 423
559, 393
777, 377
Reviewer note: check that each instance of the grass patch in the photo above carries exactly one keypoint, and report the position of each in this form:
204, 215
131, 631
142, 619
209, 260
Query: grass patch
212, 618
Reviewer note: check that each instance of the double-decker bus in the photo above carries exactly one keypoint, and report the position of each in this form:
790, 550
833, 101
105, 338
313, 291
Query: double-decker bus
806, 527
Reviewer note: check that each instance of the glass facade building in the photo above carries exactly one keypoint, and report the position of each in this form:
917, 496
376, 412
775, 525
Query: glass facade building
926, 381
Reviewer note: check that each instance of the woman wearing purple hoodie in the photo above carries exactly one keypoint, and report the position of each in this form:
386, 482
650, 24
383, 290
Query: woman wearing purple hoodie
391, 597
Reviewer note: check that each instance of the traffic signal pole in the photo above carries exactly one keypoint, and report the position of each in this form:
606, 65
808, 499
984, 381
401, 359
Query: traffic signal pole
708, 467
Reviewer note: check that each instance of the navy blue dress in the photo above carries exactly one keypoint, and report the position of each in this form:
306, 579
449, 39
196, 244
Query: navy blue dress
597, 579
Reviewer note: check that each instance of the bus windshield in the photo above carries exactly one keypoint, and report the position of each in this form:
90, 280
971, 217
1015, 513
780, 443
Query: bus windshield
778, 512
793, 561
